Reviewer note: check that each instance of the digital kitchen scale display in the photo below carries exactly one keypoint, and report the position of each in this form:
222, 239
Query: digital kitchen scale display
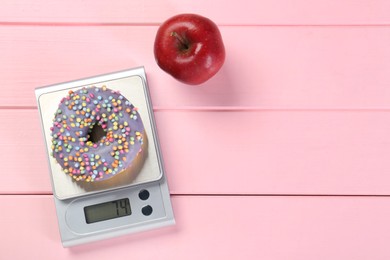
127, 203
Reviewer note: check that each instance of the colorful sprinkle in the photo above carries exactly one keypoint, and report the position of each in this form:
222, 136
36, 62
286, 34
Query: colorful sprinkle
81, 157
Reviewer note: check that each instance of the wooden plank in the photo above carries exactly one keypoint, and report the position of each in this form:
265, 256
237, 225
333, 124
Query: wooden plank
230, 152
223, 12
288, 67
217, 228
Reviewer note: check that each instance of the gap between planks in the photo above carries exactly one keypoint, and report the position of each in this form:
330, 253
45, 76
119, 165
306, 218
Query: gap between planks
117, 24
228, 195
235, 109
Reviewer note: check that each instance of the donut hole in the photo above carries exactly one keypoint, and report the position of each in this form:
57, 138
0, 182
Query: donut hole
96, 133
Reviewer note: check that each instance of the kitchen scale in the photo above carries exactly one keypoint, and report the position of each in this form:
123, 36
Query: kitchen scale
101, 210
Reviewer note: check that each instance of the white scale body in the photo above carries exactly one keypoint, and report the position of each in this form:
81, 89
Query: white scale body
139, 204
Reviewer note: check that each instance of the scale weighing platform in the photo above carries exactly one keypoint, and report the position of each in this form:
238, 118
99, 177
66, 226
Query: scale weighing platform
105, 209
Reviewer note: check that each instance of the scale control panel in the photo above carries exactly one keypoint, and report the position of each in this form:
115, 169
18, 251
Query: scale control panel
123, 211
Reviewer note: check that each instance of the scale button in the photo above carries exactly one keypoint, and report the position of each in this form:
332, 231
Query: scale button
147, 210
144, 194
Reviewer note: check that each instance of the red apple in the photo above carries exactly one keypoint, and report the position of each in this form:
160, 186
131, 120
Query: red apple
190, 48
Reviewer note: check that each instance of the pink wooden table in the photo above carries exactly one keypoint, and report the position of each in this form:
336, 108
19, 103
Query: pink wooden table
285, 154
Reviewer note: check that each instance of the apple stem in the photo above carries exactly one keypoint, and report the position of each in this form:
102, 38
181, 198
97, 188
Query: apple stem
183, 43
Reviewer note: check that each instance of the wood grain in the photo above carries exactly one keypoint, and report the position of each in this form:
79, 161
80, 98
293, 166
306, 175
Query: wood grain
235, 152
301, 107
218, 228
287, 67
252, 12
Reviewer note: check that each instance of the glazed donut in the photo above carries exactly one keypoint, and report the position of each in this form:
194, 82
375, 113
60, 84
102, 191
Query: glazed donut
96, 134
